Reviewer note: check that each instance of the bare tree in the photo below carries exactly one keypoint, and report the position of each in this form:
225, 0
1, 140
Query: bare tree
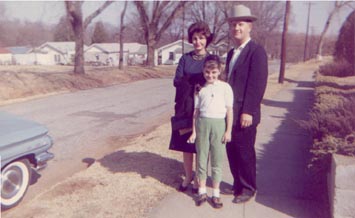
122, 28
153, 26
284, 40
63, 31
212, 13
75, 14
100, 34
337, 6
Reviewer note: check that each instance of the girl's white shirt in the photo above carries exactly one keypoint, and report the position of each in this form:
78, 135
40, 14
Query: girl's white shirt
214, 99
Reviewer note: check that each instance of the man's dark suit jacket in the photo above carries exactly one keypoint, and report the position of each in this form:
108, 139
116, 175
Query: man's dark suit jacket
248, 80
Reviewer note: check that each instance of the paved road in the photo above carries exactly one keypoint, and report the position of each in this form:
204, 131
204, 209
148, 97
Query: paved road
87, 124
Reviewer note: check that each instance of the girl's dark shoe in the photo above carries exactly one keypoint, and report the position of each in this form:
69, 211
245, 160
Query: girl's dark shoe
216, 202
202, 198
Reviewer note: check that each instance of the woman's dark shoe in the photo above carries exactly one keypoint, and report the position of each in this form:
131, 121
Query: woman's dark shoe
194, 190
202, 198
182, 188
216, 202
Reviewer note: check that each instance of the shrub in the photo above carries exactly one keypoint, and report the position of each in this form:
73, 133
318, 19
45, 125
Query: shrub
339, 69
332, 119
344, 47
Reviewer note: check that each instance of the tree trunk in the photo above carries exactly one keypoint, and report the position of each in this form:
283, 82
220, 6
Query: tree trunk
306, 40
122, 27
79, 50
76, 19
75, 16
284, 44
150, 53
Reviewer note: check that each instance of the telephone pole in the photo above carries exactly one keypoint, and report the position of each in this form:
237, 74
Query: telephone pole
284, 42
306, 41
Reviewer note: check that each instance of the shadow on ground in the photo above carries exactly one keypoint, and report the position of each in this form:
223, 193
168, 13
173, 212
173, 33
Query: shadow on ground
285, 183
146, 164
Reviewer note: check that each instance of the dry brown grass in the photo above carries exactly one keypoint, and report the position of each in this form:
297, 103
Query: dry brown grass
23, 82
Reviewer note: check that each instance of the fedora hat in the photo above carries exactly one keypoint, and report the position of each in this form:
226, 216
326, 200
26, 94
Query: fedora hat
241, 13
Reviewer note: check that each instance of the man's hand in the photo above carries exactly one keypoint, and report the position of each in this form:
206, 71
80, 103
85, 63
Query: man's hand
227, 137
246, 120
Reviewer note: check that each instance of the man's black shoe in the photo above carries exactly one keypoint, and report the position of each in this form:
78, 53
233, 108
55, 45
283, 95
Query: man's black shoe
228, 191
242, 199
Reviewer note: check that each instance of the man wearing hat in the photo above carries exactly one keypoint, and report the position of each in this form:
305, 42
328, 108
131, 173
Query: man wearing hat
247, 70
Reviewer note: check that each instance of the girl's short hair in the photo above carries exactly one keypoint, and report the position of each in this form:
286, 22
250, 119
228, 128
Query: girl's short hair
200, 27
212, 61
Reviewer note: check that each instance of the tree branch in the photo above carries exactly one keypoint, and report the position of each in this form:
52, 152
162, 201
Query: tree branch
95, 13
168, 21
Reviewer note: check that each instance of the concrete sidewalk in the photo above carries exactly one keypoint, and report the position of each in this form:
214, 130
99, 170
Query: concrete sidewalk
285, 188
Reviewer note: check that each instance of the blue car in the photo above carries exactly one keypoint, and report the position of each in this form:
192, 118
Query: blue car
24, 147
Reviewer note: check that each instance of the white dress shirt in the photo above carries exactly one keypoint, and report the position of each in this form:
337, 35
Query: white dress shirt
236, 53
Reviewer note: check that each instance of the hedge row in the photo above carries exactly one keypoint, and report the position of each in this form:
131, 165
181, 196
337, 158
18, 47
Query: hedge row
332, 118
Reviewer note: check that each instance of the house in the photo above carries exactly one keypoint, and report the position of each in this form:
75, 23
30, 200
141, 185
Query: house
102, 54
171, 53
21, 55
5, 56
137, 53
54, 53
108, 54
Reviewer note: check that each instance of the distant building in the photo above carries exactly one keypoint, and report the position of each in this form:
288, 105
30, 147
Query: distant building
5, 56
171, 53
108, 54
20, 55
55, 53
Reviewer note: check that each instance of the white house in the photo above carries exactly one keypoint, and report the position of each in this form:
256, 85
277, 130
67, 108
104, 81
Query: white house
53, 53
137, 53
5, 56
171, 53
21, 55
108, 53
102, 54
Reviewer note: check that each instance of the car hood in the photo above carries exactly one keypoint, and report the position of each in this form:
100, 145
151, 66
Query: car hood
14, 129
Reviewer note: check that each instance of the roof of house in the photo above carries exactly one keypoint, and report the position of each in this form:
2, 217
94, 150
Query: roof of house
187, 45
137, 48
61, 47
19, 49
115, 47
4, 51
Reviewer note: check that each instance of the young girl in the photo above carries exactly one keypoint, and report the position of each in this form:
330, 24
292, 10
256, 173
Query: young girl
212, 127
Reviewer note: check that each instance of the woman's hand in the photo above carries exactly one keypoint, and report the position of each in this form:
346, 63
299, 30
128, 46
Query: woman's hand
192, 138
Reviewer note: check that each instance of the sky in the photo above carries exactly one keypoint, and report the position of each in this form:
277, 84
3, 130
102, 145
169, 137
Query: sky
50, 11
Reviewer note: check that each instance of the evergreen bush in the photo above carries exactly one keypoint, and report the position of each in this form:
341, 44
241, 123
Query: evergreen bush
339, 69
344, 47
332, 120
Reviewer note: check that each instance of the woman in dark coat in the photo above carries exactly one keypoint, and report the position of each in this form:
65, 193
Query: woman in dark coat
188, 75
